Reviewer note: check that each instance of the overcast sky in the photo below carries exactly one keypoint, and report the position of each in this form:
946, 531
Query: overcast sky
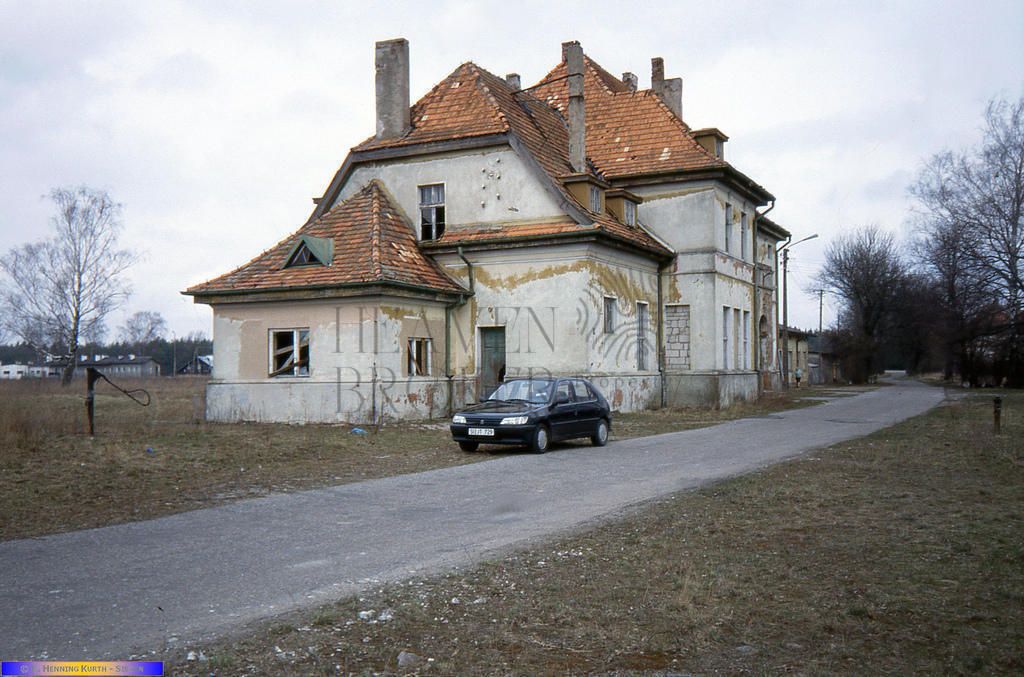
214, 123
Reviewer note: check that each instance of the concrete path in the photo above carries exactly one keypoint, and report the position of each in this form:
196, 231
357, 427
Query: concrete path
111, 592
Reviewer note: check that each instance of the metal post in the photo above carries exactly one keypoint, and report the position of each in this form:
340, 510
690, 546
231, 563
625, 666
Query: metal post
785, 318
91, 376
997, 413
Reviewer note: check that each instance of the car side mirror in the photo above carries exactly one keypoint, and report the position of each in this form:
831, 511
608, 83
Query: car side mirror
561, 398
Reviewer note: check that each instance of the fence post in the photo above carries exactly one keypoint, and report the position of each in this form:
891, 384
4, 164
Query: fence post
997, 413
91, 376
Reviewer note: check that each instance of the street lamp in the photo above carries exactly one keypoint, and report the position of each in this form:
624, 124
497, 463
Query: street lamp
785, 306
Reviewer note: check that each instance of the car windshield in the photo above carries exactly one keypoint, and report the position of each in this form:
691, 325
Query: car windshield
526, 390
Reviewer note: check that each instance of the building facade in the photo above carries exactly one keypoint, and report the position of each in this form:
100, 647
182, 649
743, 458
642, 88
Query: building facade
575, 227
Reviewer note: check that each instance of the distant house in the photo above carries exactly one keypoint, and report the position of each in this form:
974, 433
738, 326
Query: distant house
122, 366
798, 354
822, 361
14, 372
200, 364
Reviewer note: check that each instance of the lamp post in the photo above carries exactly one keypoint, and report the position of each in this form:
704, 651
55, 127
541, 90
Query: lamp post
785, 306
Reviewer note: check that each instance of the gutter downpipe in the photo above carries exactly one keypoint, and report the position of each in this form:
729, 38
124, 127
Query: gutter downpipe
785, 310
448, 310
756, 319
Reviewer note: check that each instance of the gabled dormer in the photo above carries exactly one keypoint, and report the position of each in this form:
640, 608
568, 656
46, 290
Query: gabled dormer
310, 251
622, 204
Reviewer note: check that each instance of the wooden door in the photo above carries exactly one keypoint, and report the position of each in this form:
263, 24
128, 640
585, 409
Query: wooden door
492, 359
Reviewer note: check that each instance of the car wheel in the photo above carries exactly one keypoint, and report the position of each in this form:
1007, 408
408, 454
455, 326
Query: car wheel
469, 446
541, 440
600, 436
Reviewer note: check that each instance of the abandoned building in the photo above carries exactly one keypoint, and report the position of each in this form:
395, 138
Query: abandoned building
578, 226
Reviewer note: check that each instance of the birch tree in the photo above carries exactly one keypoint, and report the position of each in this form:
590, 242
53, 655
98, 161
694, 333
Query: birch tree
58, 291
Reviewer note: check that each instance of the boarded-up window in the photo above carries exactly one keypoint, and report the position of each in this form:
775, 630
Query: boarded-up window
289, 352
419, 357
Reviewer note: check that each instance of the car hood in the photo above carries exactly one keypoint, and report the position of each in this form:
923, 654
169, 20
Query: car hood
502, 407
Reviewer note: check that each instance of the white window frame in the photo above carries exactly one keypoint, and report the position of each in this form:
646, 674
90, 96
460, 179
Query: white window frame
595, 199
736, 319
435, 231
298, 370
413, 347
642, 320
610, 312
629, 212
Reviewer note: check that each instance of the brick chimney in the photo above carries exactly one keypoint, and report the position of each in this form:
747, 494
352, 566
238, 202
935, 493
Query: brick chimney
392, 88
630, 79
670, 91
572, 53
513, 81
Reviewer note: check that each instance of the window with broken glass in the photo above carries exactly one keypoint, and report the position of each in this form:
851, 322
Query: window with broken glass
431, 211
303, 257
419, 357
289, 352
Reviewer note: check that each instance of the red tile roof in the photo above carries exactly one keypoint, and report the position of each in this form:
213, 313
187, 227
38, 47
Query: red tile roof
628, 133
373, 243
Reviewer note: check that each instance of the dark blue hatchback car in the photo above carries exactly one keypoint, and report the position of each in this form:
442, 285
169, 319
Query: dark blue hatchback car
535, 412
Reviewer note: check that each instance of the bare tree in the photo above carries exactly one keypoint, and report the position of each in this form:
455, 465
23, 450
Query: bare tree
865, 271
59, 291
143, 327
971, 238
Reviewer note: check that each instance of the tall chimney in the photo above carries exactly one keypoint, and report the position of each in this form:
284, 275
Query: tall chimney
669, 91
630, 79
513, 81
392, 87
573, 55
658, 75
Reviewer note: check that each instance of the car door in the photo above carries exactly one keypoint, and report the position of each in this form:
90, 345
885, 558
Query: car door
562, 416
588, 409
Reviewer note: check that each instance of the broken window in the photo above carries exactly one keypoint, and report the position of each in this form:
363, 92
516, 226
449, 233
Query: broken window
595, 199
609, 315
303, 257
419, 357
641, 336
629, 212
289, 352
432, 211
311, 251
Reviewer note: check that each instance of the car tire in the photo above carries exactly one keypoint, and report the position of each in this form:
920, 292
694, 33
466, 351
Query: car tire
469, 446
541, 440
600, 436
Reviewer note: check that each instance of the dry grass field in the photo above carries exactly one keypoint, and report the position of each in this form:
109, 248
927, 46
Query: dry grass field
149, 461
899, 553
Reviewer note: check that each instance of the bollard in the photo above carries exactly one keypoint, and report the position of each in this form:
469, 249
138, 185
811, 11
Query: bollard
997, 412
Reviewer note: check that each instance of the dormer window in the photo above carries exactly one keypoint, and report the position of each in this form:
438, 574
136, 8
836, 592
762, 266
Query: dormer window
432, 211
595, 199
629, 212
311, 251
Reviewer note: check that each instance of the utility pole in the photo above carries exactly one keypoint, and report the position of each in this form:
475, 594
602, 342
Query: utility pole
821, 305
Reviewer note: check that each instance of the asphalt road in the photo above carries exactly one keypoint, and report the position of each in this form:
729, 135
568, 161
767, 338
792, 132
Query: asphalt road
112, 592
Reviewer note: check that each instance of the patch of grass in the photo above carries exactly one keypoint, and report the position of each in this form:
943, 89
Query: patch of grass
162, 459
898, 553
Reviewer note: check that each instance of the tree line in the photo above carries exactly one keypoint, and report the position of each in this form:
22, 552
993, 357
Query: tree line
950, 296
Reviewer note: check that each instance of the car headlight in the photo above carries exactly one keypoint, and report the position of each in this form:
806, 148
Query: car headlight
514, 420
458, 419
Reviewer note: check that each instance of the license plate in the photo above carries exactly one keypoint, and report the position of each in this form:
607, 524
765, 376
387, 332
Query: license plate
483, 432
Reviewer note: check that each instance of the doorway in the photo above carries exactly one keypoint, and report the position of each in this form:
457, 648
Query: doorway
492, 359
